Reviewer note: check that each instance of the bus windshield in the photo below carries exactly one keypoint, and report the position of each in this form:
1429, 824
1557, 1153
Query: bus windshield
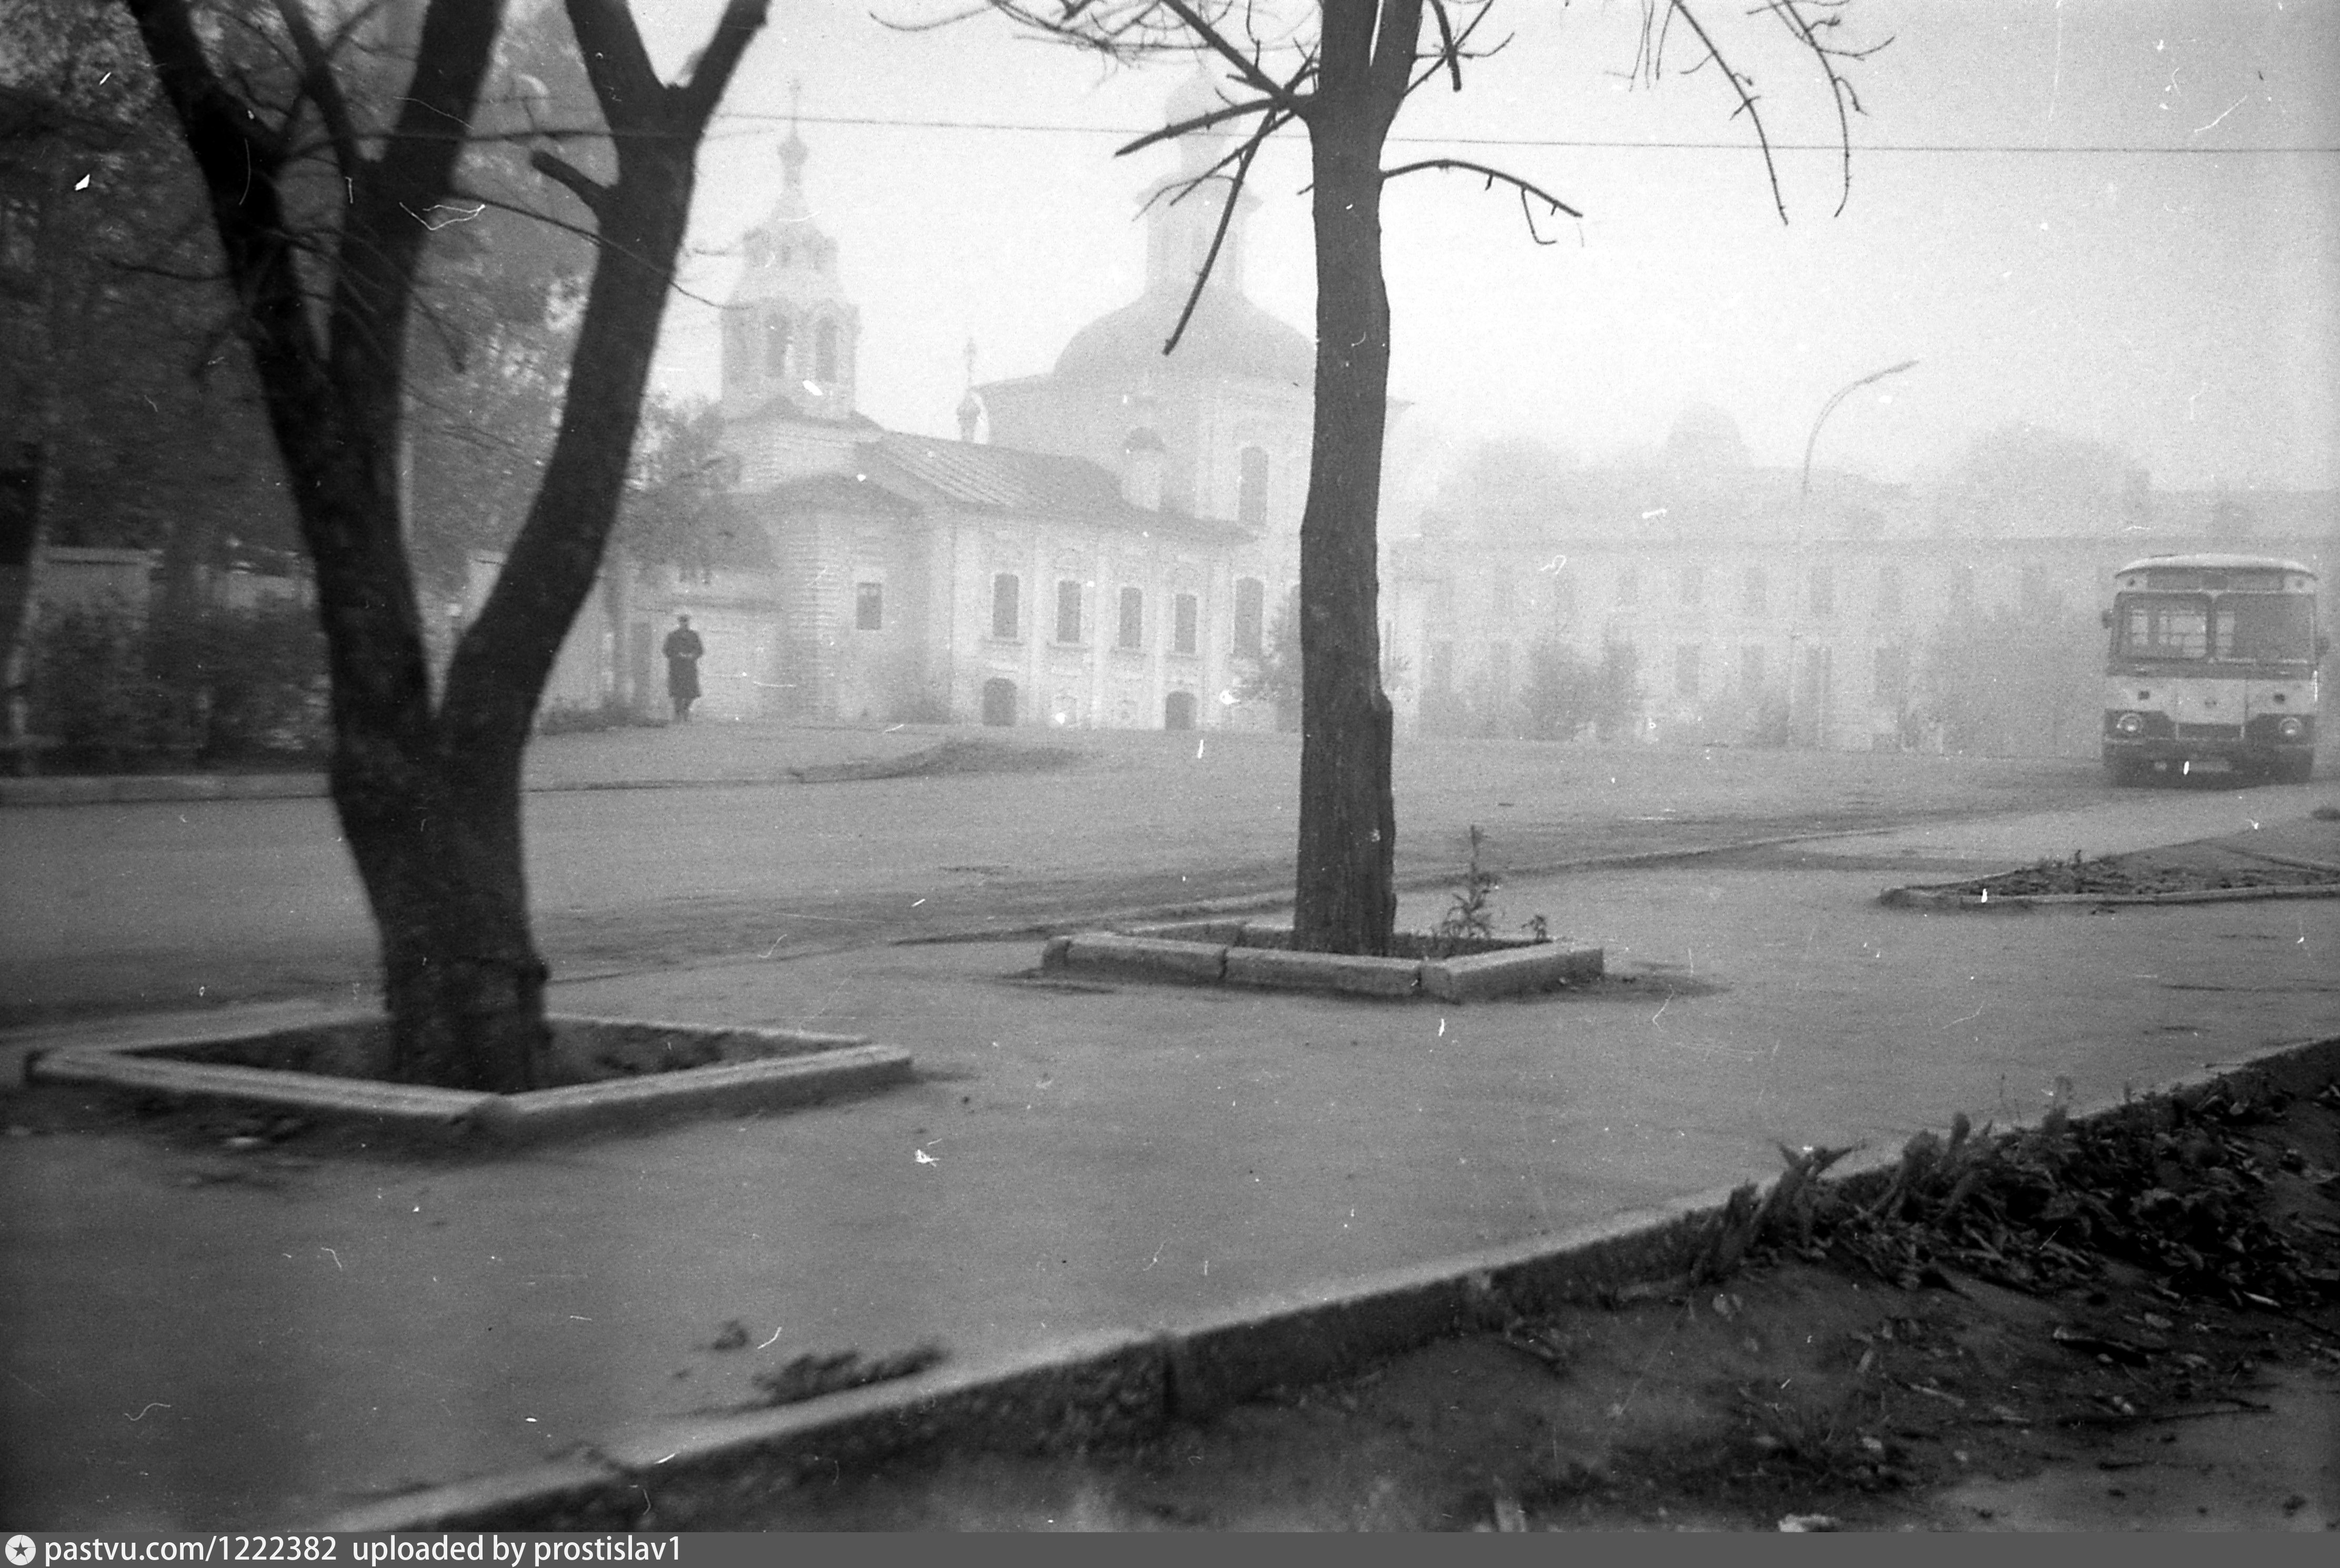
2255, 628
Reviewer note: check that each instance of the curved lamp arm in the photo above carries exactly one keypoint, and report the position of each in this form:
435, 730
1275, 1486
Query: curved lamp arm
1827, 408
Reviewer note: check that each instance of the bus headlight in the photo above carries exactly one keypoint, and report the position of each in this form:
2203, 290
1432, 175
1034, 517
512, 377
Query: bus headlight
2130, 723
2290, 729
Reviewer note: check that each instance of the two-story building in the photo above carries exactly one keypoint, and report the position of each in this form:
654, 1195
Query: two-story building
1110, 556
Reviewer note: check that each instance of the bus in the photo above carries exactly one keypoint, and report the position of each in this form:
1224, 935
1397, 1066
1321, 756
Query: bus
2212, 669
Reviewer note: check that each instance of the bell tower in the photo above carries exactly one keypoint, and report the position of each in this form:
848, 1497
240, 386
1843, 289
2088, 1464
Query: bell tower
791, 335
1179, 227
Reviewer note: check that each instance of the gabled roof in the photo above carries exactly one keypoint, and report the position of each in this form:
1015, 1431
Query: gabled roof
1002, 479
778, 409
840, 493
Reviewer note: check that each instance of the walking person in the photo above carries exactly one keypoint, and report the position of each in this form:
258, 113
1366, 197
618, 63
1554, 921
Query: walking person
683, 652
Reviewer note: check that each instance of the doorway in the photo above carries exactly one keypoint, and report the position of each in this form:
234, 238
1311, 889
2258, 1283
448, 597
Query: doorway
999, 703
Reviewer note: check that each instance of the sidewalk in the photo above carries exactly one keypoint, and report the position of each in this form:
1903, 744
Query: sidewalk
223, 1339
656, 757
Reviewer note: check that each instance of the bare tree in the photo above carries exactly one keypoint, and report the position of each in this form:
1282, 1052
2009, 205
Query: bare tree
428, 792
1342, 70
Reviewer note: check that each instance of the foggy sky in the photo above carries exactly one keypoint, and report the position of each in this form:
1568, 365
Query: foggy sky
2113, 218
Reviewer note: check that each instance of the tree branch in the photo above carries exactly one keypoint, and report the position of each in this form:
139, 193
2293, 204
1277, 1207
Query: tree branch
740, 22
1847, 102
582, 233
1739, 84
1493, 177
1197, 123
1216, 42
1447, 54
559, 170
1242, 156
323, 89
1460, 50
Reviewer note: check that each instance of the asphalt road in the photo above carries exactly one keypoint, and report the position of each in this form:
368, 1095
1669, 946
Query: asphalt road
142, 906
284, 1333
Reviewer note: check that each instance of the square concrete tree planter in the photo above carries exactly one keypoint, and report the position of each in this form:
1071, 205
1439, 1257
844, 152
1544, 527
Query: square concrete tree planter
1258, 954
608, 1075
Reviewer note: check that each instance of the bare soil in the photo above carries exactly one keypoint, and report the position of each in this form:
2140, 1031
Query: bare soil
2131, 1323
2180, 869
580, 1054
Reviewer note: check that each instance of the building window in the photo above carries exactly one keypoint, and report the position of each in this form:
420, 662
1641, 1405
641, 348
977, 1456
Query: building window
1628, 586
1005, 610
1068, 611
1686, 662
1689, 584
1251, 610
1750, 670
1962, 587
1499, 600
1184, 613
1892, 675
1754, 592
1888, 590
869, 607
1823, 590
1250, 488
1132, 632
824, 354
775, 345
1498, 677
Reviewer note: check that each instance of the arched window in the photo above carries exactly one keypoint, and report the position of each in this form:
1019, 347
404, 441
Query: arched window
1251, 491
824, 352
775, 345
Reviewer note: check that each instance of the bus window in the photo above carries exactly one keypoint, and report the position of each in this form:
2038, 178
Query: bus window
2165, 625
2265, 628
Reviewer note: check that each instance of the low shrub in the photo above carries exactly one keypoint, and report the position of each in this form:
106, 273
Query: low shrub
118, 689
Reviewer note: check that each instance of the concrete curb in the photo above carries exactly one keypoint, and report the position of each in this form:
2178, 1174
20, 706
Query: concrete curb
1133, 1381
1251, 954
109, 790
808, 1067
129, 789
1953, 898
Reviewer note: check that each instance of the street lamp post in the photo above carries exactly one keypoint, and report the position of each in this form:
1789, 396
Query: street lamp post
1803, 507
1804, 494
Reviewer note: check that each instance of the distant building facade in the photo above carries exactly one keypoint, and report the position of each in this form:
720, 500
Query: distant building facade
1755, 613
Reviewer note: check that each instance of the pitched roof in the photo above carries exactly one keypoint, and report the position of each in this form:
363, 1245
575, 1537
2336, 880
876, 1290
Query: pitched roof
840, 493
1030, 483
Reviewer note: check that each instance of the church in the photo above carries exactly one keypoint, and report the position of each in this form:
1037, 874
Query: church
1113, 555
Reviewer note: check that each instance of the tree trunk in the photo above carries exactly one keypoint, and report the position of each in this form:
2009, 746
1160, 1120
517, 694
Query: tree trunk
53, 249
1346, 899
437, 841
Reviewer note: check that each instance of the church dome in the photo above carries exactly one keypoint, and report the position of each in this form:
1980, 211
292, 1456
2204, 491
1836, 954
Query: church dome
1705, 437
1229, 337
